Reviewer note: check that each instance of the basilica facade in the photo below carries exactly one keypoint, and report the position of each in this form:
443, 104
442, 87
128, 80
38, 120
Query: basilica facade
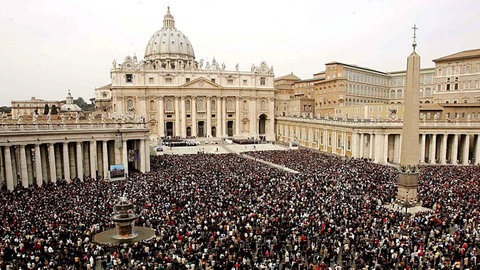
178, 96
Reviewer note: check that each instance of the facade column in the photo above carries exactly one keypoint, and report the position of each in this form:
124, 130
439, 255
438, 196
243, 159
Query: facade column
125, 156
51, 162
378, 151
183, 111
177, 118
66, 162
344, 136
161, 120
105, 159
147, 157
8, 169
38, 166
93, 159
433, 149
422, 148
224, 116
219, 117
454, 152
354, 145
466, 150
385, 149
362, 144
253, 118
194, 116
237, 116
79, 161
142, 156
209, 118
443, 150
23, 166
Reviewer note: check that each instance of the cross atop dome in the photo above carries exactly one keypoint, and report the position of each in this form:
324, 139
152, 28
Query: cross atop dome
168, 21
414, 44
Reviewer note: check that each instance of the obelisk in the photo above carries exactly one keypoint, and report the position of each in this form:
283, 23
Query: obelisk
408, 177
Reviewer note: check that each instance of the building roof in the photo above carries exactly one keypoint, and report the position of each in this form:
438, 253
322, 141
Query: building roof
288, 77
431, 107
356, 67
459, 56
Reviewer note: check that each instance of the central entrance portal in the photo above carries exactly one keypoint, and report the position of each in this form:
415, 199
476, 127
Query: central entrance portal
201, 129
230, 128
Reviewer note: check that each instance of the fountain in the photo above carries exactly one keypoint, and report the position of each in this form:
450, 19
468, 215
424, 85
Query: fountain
125, 230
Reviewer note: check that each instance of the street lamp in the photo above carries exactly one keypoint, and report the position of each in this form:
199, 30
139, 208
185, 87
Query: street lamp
406, 202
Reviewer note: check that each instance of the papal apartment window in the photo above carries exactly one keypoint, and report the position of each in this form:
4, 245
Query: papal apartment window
244, 82
150, 80
128, 78
168, 80
230, 82
262, 80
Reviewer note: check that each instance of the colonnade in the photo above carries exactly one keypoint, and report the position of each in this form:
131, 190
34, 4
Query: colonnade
30, 163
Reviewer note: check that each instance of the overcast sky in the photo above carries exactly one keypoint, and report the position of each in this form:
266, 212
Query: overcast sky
50, 46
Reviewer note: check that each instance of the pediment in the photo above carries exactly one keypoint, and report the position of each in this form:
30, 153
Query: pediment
201, 83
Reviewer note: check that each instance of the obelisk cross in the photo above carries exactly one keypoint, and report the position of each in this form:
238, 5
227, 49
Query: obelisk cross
414, 36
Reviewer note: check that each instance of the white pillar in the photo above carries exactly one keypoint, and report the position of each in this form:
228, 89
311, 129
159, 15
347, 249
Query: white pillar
466, 150
23, 166
43, 155
218, 113
177, 117
477, 149
443, 150
385, 149
51, 162
433, 149
8, 169
194, 116
422, 148
209, 118
454, 152
344, 136
237, 116
125, 156
79, 161
253, 118
38, 166
142, 156
147, 157
362, 144
224, 116
93, 159
161, 120
105, 159
371, 142
66, 161
28, 151
183, 111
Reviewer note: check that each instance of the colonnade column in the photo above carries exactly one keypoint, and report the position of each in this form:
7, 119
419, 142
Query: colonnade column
28, 151
58, 160
443, 149
219, 117
79, 161
147, 157
253, 117
66, 160
23, 166
422, 147
433, 149
105, 159
385, 149
93, 159
38, 166
86, 158
161, 120
194, 116
184, 118
51, 161
362, 143
142, 156
209, 118
344, 148
477, 149
354, 146
177, 117
466, 150
237, 116
454, 151
371, 144
125, 156
8, 168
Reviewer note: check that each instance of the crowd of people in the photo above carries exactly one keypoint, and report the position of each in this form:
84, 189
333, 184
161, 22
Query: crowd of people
227, 212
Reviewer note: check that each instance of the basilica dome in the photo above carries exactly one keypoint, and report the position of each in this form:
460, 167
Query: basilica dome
168, 46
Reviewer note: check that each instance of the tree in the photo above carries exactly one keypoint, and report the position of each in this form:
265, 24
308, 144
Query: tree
5, 109
46, 110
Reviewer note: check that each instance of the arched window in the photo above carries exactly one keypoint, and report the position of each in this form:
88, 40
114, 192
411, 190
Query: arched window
399, 93
229, 104
130, 104
214, 105
245, 105
200, 106
263, 105
168, 105
152, 105
187, 105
